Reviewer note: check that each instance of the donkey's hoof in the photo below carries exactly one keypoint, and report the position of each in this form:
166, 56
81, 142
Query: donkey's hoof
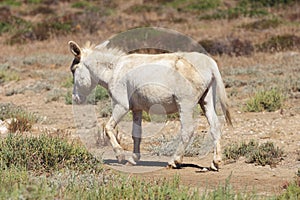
131, 161
215, 166
120, 157
174, 165
136, 157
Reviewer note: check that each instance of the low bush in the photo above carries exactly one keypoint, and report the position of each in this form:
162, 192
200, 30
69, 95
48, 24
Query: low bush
68, 83
291, 191
68, 98
44, 154
269, 3
241, 10
7, 75
261, 154
270, 101
262, 24
21, 120
232, 47
280, 43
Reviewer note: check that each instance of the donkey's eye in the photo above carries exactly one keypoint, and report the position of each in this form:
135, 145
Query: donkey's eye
73, 68
74, 65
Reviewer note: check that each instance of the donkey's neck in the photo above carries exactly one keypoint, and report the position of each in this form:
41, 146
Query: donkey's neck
101, 65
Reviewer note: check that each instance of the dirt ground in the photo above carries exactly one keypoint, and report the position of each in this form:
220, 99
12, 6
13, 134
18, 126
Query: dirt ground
43, 67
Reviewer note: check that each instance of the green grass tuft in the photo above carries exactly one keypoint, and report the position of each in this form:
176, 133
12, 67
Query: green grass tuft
8, 75
270, 101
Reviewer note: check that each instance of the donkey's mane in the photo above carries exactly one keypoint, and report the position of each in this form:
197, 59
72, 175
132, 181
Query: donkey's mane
102, 53
102, 48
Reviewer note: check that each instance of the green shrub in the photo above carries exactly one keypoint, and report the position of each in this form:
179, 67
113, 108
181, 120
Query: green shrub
143, 8
280, 43
263, 24
68, 83
270, 101
11, 2
292, 191
68, 98
261, 154
270, 3
44, 154
98, 94
194, 5
85, 5
8, 75
235, 12
232, 47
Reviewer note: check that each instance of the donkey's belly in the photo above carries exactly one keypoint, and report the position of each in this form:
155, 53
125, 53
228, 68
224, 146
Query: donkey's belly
154, 99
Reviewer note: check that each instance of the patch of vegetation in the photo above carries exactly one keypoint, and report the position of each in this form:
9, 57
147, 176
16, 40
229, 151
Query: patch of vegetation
11, 23
138, 8
232, 47
43, 31
269, 3
34, 1
98, 94
25, 31
261, 154
87, 5
194, 5
68, 83
21, 120
54, 95
68, 98
292, 191
48, 167
46, 10
11, 3
245, 8
44, 154
270, 101
226, 191
280, 43
8, 75
263, 24
241, 10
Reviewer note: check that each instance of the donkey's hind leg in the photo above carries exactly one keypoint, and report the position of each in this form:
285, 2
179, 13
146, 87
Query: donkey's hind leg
136, 136
186, 132
118, 112
208, 104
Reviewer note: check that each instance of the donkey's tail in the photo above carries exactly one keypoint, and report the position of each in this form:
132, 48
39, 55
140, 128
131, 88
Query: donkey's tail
221, 93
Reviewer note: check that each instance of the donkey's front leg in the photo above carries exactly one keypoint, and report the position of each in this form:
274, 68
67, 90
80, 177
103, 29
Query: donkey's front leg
117, 114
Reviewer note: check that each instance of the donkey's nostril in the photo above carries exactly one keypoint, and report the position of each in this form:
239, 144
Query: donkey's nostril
76, 98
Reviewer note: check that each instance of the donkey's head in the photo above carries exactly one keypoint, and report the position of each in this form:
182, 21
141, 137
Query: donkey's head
83, 81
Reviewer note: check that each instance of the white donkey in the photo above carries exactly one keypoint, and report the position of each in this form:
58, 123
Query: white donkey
177, 82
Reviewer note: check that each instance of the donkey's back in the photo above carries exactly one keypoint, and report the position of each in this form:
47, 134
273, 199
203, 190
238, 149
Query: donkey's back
162, 79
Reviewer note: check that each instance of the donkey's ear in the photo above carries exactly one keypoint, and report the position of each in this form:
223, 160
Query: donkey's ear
75, 49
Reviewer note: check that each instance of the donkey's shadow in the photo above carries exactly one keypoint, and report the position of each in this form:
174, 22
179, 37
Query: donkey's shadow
160, 164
